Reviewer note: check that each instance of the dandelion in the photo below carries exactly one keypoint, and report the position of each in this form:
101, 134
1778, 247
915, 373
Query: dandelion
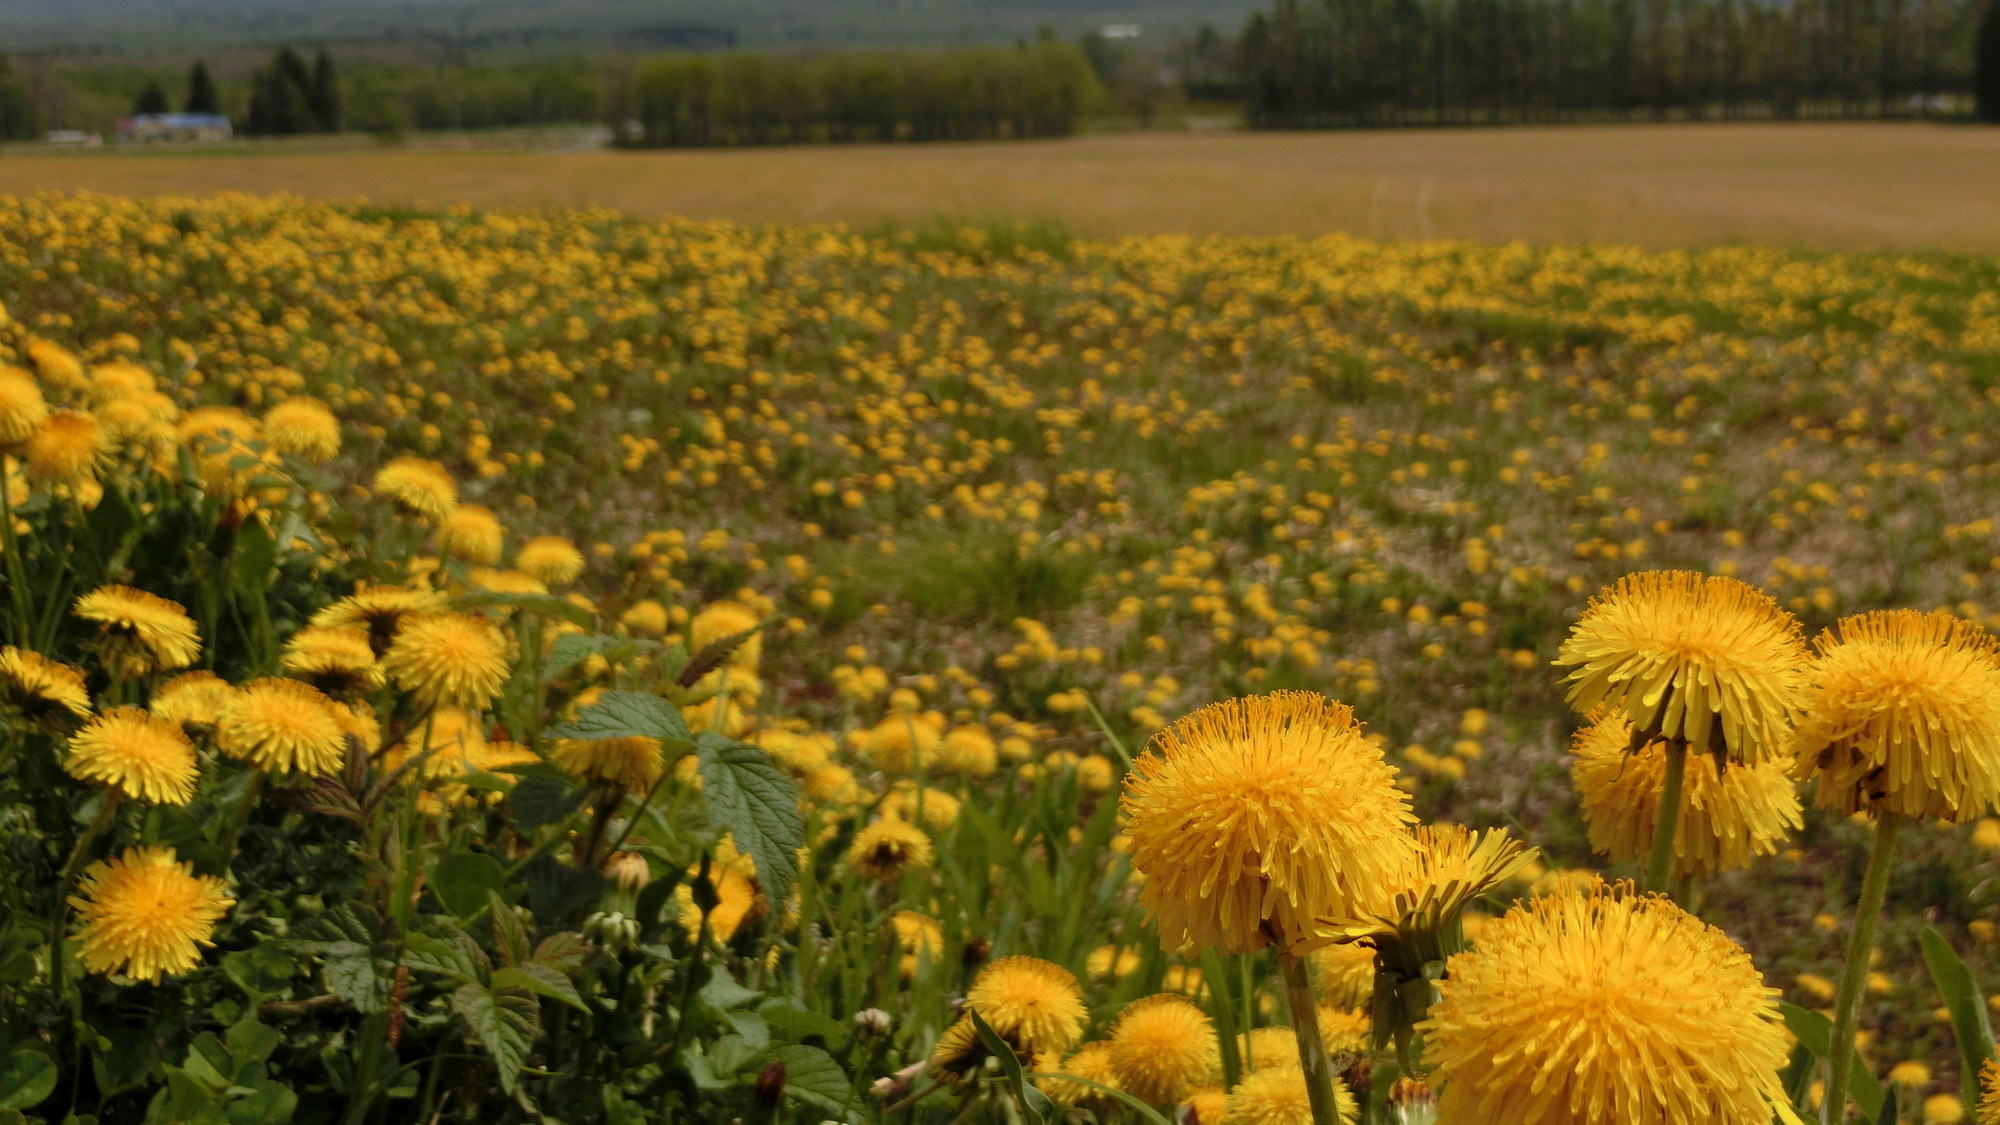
420, 487
739, 900
22, 409
1092, 1063
448, 660
1727, 815
898, 743
137, 753
1989, 1092
1251, 819
144, 915
1276, 1095
888, 848
1710, 662
1162, 1047
473, 533
1606, 1007
280, 725
1034, 1005
139, 634
550, 559
381, 610
723, 620
66, 448
192, 699
1902, 721
339, 662
303, 427
47, 693
632, 763
647, 619
1344, 975
920, 938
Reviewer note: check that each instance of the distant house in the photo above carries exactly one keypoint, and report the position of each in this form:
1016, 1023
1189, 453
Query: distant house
150, 127
73, 137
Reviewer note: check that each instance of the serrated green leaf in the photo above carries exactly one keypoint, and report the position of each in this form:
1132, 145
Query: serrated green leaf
543, 798
812, 1076
758, 804
541, 980
571, 648
26, 1077
438, 955
1969, 1021
1816, 1032
463, 880
797, 1023
722, 993
502, 1024
627, 714
509, 936
564, 952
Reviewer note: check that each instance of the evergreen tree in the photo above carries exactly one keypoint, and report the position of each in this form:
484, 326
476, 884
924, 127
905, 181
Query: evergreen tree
1986, 64
323, 93
201, 95
280, 103
151, 100
18, 119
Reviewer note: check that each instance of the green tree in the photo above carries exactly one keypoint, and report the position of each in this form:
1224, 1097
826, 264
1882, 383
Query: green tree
18, 119
201, 95
151, 100
323, 93
1986, 64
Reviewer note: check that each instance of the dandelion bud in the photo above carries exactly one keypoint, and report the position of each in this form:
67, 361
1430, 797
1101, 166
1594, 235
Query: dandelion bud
873, 1021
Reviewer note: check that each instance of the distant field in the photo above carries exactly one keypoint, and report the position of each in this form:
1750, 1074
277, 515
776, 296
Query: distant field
1889, 186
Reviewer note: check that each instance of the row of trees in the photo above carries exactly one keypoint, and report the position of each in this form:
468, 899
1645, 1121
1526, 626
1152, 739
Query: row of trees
288, 97
201, 95
1318, 63
1032, 90
19, 120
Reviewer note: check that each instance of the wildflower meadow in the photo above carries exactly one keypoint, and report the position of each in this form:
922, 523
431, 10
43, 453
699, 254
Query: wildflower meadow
508, 666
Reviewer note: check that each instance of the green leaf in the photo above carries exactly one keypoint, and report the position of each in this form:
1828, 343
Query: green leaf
1141, 1108
556, 890
722, 993
268, 1103
799, 1023
208, 1062
543, 798
456, 957
1888, 1114
812, 1075
627, 714
1223, 1008
1816, 1032
1035, 1105
250, 1041
508, 934
26, 1077
759, 804
564, 952
256, 555
541, 980
571, 648
503, 1024
463, 880
1960, 990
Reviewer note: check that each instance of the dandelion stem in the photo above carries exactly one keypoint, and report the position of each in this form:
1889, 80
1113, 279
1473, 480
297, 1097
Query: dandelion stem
1847, 1002
1660, 861
1313, 1058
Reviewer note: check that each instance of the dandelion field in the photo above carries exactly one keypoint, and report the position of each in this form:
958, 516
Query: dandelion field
682, 666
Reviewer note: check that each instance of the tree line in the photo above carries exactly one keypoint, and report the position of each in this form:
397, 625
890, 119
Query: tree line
1323, 63
1043, 89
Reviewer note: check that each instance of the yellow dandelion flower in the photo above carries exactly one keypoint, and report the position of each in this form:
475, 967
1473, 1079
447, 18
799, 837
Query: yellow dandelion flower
1162, 1047
145, 915
139, 634
381, 610
339, 662
473, 533
1277, 1096
1989, 1092
1345, 1030
421, 487
887, 848
1092, 1063
647, 619
920, 937
1034, 1005
119, 379
632, 764
56, 364
1606, 1008
1251, 819
1727, 815
449, 660
898, 742
280, 725
832, 786
550, 559
1344, 975
723, 620
454, 741
1265, 1047
968, 750
47, 693
740, 900
957, 1051
66, 448
22, 409
1903, 716
192, 699
357, 721
137, 752
303, 427
1710, 660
